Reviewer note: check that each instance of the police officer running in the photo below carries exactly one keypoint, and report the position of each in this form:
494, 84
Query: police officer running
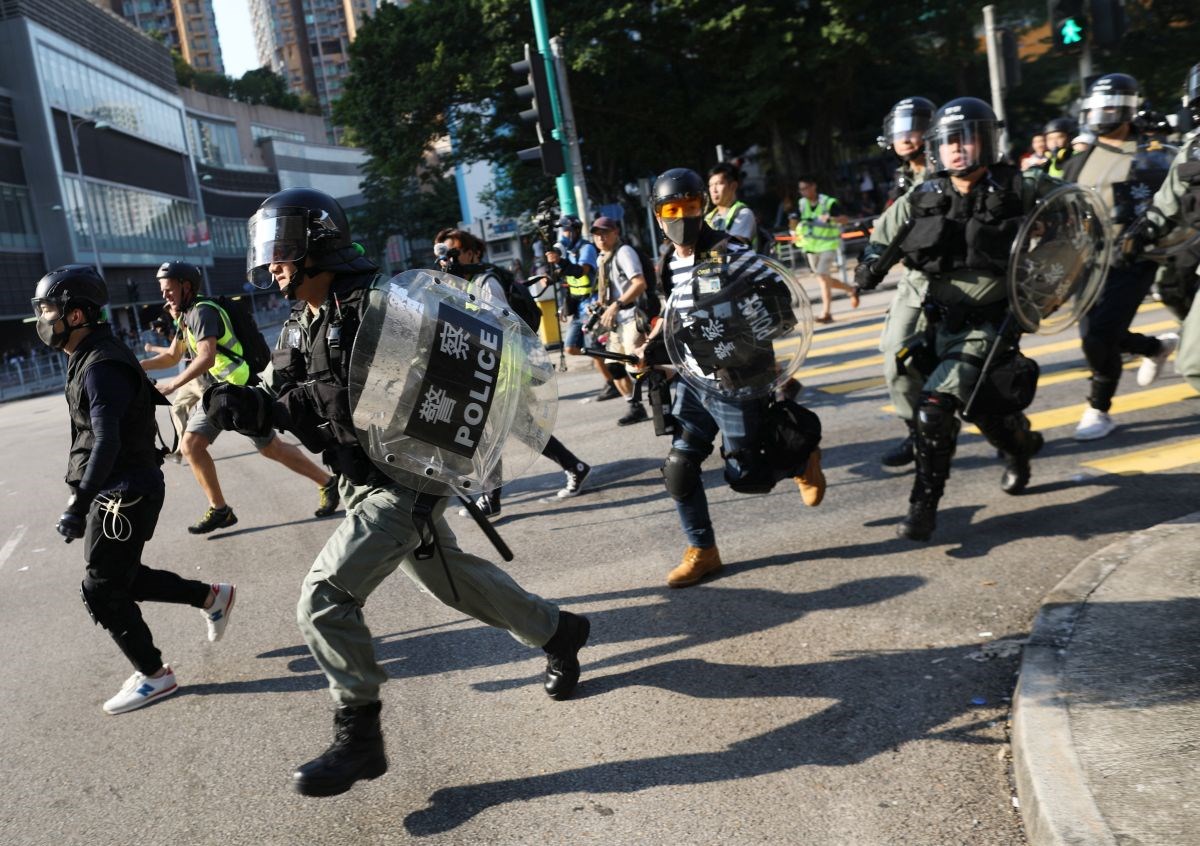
462, 256
678, 206
1111, 167
1175, 207
216, 355
300, 241
904, 133
965, 218
115, 481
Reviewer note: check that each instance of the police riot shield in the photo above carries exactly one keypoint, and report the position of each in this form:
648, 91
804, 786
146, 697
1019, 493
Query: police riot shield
450, 392
1136, 178
738, 327
1059, 260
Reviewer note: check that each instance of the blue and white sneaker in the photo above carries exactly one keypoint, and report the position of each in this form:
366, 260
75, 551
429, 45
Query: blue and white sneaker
140, 690
217, 614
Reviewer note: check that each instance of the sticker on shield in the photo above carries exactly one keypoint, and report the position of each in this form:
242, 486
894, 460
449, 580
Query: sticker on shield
460, 381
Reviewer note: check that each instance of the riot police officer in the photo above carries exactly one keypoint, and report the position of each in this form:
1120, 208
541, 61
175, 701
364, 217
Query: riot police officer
964, 218
300, 242
1126, 178
904, 133
1176, 206
115, 482
678, 198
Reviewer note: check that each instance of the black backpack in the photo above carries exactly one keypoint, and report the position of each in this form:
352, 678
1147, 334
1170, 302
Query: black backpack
518, 296
256, 351
651, 302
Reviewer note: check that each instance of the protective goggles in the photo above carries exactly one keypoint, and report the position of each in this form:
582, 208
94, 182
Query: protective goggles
47, 308
680, 208
276, 236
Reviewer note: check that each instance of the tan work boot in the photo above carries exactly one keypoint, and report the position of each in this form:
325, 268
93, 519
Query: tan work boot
812, 481
697, 563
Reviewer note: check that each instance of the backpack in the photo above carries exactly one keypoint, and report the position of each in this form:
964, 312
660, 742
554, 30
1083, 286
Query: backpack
651, 302
256, 351
518, 296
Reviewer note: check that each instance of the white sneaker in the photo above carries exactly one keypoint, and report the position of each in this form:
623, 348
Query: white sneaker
1093, 425
217, 614
140, 690
1151, 365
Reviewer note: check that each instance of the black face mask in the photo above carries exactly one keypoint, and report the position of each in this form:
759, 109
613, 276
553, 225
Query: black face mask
289, 293
51, 338
684, 231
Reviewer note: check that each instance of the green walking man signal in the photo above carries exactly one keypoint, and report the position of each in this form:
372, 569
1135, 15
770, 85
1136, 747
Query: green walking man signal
1072, 33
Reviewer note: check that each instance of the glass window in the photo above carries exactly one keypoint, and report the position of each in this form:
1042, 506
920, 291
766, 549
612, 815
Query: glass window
17, 229
127, 220
215, 143
259, 131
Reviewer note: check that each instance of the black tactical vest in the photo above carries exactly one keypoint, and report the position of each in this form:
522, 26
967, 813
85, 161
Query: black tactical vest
138, 428
1189, 174
972, 232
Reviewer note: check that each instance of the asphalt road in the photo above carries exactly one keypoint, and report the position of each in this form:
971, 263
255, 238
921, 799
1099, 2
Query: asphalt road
826, 689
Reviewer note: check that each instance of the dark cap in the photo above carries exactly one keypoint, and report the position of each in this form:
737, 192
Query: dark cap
603, 223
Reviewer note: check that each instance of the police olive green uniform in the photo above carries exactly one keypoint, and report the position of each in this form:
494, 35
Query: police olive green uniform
904, 324
965, 303
382, 531
1177, 203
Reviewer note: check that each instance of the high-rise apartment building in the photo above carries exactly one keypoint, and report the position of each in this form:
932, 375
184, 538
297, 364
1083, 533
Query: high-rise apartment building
307, 42
188, 26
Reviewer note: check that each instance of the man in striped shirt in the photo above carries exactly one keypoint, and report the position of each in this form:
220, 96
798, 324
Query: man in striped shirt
699, 415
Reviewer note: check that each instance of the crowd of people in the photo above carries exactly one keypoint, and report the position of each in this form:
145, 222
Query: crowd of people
956, 209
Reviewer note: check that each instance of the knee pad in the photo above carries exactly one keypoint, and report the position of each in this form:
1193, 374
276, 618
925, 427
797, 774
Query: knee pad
936, 418
681, 473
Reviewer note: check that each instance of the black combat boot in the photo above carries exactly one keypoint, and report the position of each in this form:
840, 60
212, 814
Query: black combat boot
936, 438
901, 455
356, 753
1017, 444
562, 651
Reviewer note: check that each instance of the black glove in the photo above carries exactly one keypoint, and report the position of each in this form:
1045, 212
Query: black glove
1138, 235
867, 276
73, 522
239, 409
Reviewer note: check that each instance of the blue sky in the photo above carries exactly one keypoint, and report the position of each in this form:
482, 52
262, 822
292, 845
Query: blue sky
237, 36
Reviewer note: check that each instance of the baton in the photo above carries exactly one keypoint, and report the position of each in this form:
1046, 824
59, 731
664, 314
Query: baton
597, 352
891, 255
487, 528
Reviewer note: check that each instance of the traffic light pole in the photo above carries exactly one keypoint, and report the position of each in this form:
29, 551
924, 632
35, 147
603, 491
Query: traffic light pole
993, 60
570, 136
565, 182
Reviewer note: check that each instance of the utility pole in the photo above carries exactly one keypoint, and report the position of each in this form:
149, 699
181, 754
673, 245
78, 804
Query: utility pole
993, 59
566, 188
570, 135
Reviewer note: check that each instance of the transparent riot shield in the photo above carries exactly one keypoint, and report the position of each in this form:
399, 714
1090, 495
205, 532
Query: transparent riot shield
450, 392
1059, 260
738, 327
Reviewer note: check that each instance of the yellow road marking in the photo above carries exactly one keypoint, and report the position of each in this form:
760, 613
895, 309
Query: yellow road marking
1122, 404
1150, 460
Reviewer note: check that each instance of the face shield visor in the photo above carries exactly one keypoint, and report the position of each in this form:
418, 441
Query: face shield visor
276, 236
960, 147
904, 132
1105, 112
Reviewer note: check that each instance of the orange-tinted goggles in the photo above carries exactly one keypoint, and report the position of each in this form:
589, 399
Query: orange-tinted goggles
686, 207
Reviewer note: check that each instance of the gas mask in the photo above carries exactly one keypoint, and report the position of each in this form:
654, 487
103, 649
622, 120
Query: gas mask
47, 333
684, 231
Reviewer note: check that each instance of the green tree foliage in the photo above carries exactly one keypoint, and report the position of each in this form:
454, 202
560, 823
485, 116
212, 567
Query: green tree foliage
256, 87
657, 85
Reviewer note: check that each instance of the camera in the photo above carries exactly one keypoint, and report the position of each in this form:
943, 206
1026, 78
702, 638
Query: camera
447, 258
595, 312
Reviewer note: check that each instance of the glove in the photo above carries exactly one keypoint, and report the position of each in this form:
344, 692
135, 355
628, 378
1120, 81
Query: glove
1138, 235
239, 409
73, 522
867, 276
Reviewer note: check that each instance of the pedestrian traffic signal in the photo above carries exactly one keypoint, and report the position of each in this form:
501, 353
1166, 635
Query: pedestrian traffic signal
549, 151
1108, 22
1068, 24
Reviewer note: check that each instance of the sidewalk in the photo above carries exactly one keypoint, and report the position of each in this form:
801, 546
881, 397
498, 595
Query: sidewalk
1106, 722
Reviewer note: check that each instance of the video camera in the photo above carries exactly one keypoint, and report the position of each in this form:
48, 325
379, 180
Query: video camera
447, 259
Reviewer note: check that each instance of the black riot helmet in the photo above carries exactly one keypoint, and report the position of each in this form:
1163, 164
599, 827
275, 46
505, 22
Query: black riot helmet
181, 271
679, 205
61, 290
294, 224
963, 137
1191, 96
1111, 101
909, 118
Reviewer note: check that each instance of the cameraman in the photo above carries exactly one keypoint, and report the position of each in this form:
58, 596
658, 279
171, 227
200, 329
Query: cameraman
622, 286
460, 253
574, 260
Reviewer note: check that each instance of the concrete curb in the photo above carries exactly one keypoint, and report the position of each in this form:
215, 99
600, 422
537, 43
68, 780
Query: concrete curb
1057, 805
